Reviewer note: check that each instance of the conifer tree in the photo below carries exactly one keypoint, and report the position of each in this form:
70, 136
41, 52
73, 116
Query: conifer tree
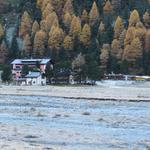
104, 56
56, 36
101, 27
35, 27
27, 46
48, 10
134, 18
44, 26
67, 20
75, 28
107, 7
118, 28
147, 41
94, 14
85, 36
1, 32
3, 52
39, 43
146, 19
68, 7
84, 17
68, 43
26, 24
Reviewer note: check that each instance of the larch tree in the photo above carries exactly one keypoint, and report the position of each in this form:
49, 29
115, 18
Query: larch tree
108, 7
101, 27
45, 3
133, 52
39, 3
44, 26
68, 7
56, 37
130, 35
85, 36
26, 24
94, 14
35, 27
27, 46
116, 50
147, 41
122, 38
68, 43
118, 28
39, 43
104, 56
134, 18
1, 32
48, 10
67, 20
52, 20
84, 17
146, 19
75, 28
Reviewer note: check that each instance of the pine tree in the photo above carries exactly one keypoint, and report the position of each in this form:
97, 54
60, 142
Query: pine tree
134, 18
75, 29
68, 43
26, 25
85, 36
39, 43
27, 46
118, 28
94, 14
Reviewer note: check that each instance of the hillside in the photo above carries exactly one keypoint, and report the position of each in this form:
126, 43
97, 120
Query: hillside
89, 37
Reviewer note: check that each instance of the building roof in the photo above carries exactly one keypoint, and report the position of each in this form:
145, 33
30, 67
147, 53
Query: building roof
33, 75
30, 61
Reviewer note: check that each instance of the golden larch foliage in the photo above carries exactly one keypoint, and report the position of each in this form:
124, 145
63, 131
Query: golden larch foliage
85, 36
146, 18
45, 3
68, 43
44, 26
75, 28
101, 27
116, 49
27, 46
56, 37
133, 52
118, 28
48, 10
94, 14
67, 20
35, 27
39, 43
52, 20
68, 7
147, 41
104, 56
1, 31
134, 18
26, 25
107, 7
84, 17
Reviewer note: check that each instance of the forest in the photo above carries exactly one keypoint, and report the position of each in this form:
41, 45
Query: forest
87, 37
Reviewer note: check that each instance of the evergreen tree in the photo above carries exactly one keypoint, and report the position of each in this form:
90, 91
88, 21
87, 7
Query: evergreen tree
6, 74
